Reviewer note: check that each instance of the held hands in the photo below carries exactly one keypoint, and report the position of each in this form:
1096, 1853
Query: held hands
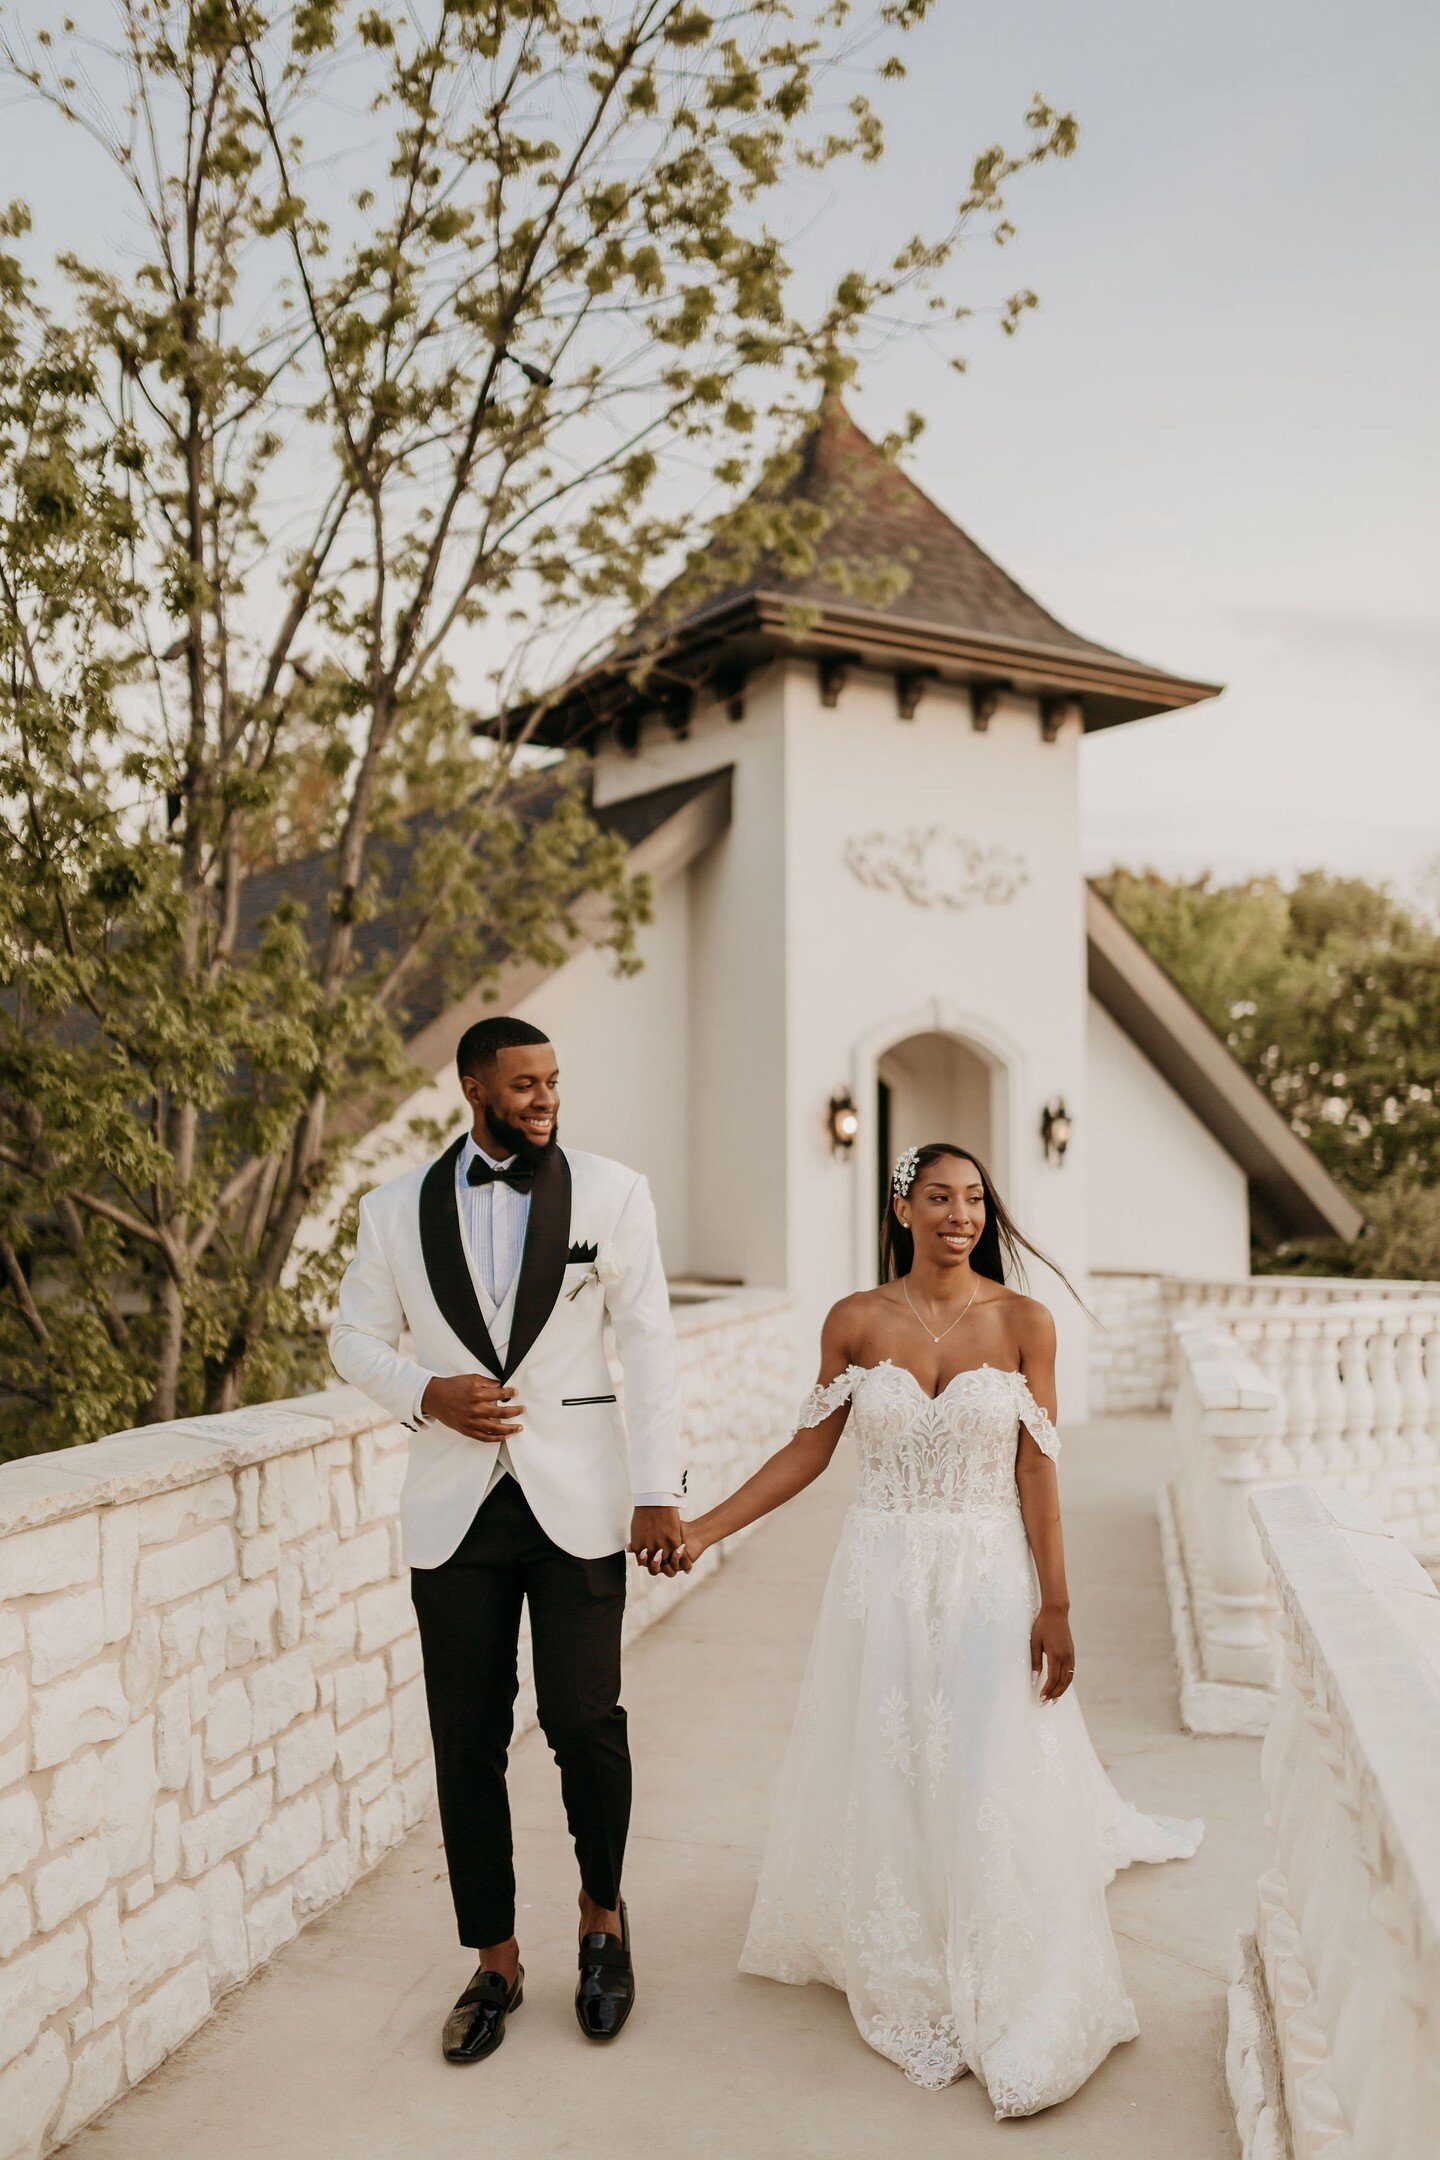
474, 1404
1050, 1640
479, 1407
657, 1541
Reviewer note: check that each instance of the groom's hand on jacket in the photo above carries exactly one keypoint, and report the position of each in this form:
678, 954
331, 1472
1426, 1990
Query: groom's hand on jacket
474, 1404
658, 1542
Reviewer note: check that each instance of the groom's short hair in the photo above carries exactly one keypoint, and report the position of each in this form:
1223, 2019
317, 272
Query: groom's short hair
478, 1046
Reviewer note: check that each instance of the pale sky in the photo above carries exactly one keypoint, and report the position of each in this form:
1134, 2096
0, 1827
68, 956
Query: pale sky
1216, 444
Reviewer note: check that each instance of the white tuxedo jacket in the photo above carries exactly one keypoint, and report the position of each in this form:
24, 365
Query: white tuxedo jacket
547, 1340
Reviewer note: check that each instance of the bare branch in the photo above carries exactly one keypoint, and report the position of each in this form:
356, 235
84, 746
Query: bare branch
25, 1304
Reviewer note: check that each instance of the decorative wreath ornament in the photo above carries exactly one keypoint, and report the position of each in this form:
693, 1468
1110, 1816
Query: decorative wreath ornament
904, 1173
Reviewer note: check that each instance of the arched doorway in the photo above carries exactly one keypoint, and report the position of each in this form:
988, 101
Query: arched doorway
932, 1077
929, 1087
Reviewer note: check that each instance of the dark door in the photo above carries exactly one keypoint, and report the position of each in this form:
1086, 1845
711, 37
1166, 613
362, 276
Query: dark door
882, 1162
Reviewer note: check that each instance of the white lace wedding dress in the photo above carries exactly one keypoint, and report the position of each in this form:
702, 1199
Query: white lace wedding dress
941, 1839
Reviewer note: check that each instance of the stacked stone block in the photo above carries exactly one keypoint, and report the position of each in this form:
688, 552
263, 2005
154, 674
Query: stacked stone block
212, 1715
1132, 1360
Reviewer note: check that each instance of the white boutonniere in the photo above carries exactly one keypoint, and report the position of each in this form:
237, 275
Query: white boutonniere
604, 1269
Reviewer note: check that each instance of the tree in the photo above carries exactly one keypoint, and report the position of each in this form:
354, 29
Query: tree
1329, 994
429, 312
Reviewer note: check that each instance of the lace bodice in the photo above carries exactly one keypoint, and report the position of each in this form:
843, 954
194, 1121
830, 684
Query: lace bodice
954, 1452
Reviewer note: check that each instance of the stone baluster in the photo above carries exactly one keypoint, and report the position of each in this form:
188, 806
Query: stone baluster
1329, 1393
1248, 1329
1359, 1394
1432, 1376
1238, 1645
1389, 1323
1302, 1406
1272, 1353
1414, 1399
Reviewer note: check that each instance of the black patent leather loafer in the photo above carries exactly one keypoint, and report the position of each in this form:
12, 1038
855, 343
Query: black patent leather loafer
476, 2025
606, 1993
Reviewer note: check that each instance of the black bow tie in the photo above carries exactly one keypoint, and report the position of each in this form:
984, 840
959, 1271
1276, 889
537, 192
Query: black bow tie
520, 1176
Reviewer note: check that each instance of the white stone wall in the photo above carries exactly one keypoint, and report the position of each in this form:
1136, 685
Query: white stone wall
212, 1717
1132, 1351
1336, 2003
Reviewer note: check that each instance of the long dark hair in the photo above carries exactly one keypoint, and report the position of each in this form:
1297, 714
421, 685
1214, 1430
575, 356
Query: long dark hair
996, 1252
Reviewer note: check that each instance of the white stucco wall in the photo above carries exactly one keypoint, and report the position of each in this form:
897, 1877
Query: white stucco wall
738, 963
624, 1087
624, 1062
1164, 1196
939, 1091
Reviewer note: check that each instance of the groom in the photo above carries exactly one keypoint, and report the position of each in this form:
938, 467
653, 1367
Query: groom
503, 1259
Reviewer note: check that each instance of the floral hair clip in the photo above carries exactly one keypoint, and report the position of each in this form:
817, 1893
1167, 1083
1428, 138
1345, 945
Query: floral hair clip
904, 1175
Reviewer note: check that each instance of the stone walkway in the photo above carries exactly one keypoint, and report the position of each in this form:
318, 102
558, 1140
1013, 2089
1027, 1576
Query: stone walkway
331, 2050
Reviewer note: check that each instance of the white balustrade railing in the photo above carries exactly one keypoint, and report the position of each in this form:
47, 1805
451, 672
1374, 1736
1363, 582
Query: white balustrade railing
1335, 2008
1344, 1396
1259, 1293
1133, 1364
1359, 1388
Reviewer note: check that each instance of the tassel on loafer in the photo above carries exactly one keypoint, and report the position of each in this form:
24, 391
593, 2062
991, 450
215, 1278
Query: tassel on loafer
606, 1993
476, 2025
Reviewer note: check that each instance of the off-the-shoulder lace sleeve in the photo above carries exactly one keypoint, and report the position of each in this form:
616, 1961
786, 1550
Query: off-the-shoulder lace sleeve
1039, 1426
820, 1401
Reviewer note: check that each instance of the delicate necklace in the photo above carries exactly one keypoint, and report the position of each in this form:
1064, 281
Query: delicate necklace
925, 1323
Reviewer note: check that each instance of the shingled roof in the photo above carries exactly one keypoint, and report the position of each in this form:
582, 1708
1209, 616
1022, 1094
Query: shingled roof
958, 616
878, 515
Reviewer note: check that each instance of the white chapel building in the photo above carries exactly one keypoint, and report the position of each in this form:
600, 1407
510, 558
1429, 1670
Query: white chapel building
872, 929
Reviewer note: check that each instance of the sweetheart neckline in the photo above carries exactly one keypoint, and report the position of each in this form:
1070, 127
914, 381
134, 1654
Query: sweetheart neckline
1010, 1372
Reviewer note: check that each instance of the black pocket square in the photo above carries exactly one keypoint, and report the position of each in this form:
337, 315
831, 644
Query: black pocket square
578, 1254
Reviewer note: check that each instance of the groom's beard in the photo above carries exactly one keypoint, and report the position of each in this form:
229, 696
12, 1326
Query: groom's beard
511, 1140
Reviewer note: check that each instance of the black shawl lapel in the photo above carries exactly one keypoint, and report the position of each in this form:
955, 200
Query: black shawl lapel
445, 1264
542, 1265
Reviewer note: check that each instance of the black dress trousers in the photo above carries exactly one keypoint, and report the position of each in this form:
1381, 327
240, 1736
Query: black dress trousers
469, 1614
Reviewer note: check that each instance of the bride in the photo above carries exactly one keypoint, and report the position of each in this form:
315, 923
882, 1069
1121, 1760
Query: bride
943, 1831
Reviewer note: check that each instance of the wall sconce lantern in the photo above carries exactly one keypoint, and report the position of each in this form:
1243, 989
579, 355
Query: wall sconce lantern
1055, 1130
844, 1123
